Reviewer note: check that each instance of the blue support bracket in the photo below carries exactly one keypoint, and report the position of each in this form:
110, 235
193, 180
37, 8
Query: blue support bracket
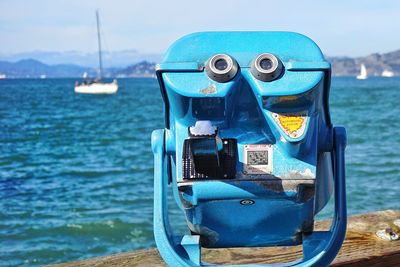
191, 244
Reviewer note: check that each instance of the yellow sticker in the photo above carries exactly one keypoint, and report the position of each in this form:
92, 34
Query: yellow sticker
293, 124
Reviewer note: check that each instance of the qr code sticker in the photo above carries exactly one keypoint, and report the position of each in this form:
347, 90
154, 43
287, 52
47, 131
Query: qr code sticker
257, 157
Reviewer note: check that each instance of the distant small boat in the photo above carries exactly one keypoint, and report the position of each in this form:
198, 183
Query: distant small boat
96, 86
2, 76
363, 73
43, 76
387, 73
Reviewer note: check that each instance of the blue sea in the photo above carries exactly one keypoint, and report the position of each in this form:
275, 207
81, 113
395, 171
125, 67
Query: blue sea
76, 171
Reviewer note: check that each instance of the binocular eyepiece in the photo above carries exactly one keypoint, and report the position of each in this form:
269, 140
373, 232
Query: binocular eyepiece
266, 67
223, 68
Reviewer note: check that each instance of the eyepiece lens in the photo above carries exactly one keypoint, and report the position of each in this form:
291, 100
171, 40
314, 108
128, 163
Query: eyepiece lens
221, 64
221, 68
266, 67
266, 64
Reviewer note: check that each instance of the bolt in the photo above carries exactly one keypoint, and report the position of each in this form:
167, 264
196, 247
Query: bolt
387, 234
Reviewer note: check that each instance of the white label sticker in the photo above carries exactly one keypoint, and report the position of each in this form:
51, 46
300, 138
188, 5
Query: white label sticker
257, 159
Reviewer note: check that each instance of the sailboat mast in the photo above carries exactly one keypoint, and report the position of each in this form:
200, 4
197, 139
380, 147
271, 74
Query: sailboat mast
99, 43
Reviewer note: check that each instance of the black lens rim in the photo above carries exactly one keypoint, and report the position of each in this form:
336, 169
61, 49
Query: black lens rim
266, 75
224, 75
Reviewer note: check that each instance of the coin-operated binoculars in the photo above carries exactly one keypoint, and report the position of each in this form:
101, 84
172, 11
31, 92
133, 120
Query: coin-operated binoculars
248, 148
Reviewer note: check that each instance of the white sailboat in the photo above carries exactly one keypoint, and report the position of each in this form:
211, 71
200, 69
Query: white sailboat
387, 73
363, 73
96, 86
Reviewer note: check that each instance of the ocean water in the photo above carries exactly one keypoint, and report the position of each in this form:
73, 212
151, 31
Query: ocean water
76, 171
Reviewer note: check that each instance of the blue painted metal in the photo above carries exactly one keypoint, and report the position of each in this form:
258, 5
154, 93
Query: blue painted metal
305, 167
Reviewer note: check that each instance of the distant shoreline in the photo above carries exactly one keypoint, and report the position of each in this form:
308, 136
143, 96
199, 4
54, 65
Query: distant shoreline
377, 65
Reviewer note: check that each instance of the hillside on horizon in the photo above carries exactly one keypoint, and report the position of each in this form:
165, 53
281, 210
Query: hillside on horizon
111, 59
375, 63
33, 68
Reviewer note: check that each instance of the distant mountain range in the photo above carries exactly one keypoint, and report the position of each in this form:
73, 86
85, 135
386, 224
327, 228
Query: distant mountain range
141, 69
31, 68
34, 68
111, 59
375, 64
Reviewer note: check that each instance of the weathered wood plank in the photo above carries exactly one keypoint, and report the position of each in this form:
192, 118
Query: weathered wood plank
361, 248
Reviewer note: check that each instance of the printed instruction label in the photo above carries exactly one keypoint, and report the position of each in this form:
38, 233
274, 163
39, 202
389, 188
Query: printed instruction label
293, 124
257, 159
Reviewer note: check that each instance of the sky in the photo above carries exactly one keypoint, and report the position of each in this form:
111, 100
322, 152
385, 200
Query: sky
340, 28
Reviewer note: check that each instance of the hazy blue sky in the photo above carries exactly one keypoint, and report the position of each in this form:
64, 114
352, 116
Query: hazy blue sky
351, 28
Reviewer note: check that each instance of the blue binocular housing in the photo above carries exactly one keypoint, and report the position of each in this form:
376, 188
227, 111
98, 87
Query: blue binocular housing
248, 149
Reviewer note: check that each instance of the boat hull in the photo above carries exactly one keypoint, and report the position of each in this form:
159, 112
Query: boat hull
97, 88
